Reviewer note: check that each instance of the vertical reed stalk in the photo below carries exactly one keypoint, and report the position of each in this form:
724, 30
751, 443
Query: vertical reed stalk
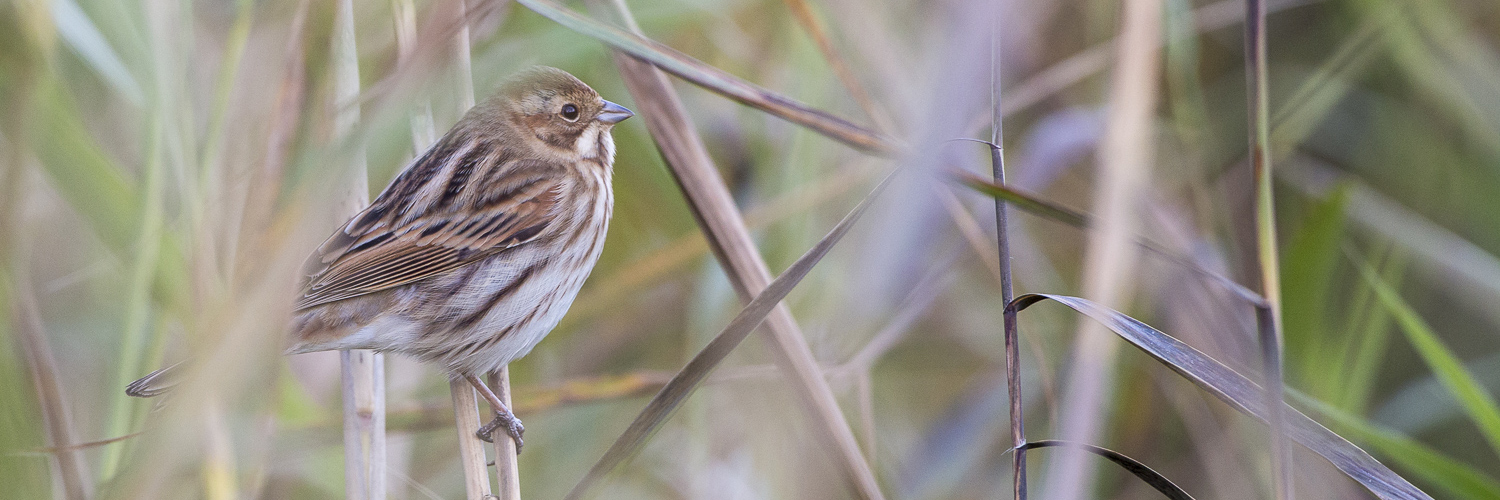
470, 448
218, 464
508, 472
364, 423
1007, 291
424, 133
363, 372
1265, 239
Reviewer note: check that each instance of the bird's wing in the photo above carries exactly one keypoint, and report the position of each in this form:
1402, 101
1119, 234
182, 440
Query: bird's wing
374, 254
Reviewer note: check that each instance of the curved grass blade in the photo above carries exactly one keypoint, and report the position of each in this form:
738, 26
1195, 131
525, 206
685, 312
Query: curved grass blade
687, 380
1242, 394
1146, 474
714, 79
1442, 471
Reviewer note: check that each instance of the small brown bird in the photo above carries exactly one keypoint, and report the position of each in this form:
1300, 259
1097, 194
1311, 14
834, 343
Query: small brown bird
476, 250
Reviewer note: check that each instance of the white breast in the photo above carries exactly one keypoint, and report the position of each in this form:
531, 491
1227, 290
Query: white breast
541, 302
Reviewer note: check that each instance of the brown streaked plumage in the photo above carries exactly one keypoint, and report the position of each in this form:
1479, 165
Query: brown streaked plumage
475, 251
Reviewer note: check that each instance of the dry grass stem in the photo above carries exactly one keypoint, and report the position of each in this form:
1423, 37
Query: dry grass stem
470, 449
713, 207
362, 372
507, 470
507, 467
69, 466
1003, 261
1123, 163
364, 423
969, 228
218, 470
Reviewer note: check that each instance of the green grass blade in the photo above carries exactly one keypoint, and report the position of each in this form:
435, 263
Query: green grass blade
1452, 476
1300, 114
129, 363
80, 170
25, 476
1479, 404
1367, 339
74, 26
1308, 274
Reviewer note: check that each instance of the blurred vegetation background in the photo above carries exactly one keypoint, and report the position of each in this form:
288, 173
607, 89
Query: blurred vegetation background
165, 165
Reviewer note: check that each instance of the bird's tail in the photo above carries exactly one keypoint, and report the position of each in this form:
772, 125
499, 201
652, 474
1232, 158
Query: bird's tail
154, 384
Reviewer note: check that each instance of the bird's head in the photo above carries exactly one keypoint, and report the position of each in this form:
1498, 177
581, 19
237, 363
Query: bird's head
562, 114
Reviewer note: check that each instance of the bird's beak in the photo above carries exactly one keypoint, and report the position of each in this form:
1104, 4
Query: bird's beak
613, 113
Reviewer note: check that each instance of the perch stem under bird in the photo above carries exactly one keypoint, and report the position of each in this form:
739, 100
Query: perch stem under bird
477, 249
503, 416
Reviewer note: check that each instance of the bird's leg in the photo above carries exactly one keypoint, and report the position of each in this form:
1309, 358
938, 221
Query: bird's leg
503, 416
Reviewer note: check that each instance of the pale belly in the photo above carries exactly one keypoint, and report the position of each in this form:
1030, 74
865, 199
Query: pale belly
471, 320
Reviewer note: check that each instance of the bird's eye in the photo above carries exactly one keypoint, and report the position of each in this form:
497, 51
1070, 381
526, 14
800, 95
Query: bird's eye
570, 112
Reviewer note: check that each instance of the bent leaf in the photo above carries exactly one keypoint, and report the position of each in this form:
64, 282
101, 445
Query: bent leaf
1146, 474
1242, 394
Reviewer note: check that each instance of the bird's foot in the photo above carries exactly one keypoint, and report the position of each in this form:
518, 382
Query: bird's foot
506, 420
